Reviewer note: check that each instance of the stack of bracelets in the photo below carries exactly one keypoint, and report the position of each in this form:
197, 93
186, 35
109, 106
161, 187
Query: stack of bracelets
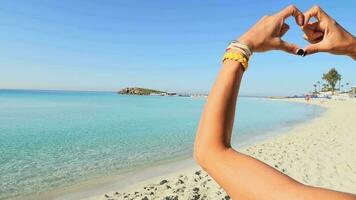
241, 53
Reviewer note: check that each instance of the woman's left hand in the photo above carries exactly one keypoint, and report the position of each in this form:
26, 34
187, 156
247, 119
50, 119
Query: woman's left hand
266, 34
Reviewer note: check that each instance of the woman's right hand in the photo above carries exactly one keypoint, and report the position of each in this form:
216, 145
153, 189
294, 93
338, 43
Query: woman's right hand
267, 33
326, 35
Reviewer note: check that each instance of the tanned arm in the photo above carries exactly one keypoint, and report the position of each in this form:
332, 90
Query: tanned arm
244, 177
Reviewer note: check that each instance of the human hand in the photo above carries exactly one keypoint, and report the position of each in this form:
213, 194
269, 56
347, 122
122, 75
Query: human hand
266, 34
326, 35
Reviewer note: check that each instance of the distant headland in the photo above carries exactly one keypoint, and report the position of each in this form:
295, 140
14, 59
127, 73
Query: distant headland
153, 92
145, 91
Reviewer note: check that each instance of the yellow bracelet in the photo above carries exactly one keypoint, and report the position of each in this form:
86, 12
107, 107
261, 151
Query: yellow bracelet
239, 57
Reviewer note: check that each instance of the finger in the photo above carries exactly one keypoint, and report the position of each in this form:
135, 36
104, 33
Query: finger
314, 48
292, 11
314, 36
312, 33
311, 27
316, 12
284, 29
287, 47
312, 41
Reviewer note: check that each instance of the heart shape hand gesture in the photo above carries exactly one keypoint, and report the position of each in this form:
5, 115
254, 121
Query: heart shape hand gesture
324, 35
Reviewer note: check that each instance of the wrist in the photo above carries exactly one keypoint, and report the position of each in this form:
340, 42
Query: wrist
247, 41
233, 66
236, 56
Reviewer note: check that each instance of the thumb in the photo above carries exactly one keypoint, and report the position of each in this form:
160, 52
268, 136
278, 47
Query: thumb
314, 48
288, 47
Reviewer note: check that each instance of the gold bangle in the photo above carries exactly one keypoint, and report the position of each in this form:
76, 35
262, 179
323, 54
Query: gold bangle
239, 57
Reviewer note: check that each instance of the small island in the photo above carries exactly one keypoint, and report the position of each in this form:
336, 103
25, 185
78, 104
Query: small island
144, 91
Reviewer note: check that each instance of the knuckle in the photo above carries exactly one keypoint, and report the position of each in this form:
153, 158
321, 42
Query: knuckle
311, 49
333, 22
292, 7
317, 7
279, 43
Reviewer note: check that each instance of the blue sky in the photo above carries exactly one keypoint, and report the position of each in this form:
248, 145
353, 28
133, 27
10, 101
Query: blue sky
169, 45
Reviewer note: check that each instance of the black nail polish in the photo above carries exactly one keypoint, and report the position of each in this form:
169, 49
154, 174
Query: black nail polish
304, 53
301, 52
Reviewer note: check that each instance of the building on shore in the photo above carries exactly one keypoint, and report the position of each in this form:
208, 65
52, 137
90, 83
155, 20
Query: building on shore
164, 94
353, 91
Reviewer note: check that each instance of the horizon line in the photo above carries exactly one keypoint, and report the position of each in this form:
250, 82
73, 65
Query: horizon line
112, 91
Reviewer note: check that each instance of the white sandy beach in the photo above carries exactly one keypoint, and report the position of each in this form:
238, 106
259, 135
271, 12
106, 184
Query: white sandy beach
320, 153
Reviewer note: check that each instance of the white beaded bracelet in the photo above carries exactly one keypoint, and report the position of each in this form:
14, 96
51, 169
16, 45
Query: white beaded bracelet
243, 48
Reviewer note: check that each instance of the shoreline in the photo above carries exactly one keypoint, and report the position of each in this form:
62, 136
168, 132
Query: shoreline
143, 176
303, 153
100, 183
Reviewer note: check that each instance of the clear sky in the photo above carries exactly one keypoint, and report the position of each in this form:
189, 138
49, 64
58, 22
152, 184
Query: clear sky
169, 45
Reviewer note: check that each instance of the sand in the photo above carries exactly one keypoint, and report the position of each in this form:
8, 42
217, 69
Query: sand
321, 153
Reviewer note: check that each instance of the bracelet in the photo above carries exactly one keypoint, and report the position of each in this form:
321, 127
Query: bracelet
239, 57
243, 48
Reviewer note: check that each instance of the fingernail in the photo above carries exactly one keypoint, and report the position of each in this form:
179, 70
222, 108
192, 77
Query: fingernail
304, 53
300, 52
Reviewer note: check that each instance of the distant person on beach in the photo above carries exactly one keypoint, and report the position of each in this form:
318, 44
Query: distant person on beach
307, 98
244, 177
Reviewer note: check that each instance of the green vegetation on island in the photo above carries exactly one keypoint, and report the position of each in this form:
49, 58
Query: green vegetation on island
140, 91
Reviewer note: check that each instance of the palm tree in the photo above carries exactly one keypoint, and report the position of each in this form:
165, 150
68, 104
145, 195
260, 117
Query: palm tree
318, 82
324, 87
315, 91
332, 77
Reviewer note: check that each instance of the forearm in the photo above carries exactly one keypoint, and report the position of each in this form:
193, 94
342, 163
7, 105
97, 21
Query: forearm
215, 127
238, 174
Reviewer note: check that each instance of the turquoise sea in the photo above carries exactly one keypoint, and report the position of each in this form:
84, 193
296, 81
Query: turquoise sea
55, 139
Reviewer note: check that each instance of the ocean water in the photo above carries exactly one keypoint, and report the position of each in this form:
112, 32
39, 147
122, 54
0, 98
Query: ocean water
54, 139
